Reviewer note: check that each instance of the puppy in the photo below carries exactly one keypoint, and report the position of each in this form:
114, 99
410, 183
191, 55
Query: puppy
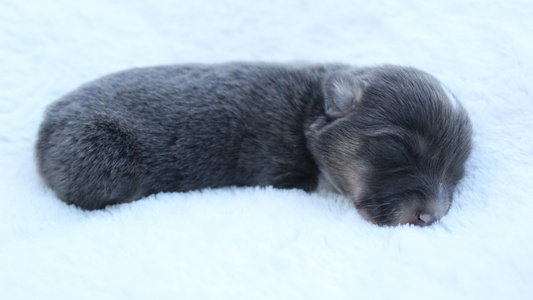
389, 138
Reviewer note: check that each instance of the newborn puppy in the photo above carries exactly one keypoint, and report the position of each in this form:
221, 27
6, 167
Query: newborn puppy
389, 138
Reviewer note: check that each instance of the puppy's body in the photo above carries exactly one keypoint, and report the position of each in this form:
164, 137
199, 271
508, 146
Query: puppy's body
181, 128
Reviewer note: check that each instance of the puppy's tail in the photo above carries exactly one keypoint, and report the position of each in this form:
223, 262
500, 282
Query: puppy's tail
91, 162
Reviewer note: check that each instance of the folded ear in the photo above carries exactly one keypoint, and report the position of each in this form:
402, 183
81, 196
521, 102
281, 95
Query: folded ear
342, 91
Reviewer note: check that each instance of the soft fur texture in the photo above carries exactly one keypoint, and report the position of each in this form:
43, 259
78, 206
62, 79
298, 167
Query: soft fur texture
264, 243
388, 138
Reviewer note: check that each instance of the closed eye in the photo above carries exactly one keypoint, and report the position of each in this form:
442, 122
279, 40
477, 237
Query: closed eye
387, 153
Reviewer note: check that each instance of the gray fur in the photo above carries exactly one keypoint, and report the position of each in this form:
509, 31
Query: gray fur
387, 137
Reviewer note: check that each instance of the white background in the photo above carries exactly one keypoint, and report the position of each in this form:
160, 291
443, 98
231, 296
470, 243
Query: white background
256, 243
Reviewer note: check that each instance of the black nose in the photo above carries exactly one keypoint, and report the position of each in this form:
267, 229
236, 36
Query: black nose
425, 219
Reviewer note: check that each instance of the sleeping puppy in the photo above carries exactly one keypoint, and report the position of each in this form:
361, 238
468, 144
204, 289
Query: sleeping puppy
389, 138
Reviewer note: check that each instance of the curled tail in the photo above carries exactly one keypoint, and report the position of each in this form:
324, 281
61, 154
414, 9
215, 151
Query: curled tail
91, 161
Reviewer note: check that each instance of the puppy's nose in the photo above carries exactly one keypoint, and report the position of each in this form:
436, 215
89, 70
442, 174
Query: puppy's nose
425, 219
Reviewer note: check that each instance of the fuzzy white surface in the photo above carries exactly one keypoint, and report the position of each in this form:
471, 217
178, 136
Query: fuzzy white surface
254, 243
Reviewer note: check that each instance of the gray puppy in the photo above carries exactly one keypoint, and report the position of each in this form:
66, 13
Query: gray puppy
389, 138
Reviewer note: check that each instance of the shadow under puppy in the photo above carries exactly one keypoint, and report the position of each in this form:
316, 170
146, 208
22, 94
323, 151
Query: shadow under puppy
389, 138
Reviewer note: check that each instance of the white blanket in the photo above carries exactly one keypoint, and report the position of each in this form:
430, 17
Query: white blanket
262, 243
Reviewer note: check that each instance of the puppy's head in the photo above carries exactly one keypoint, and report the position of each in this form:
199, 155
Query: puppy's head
393, 141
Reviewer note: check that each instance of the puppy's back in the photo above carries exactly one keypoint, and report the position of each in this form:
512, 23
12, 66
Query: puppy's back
179, 128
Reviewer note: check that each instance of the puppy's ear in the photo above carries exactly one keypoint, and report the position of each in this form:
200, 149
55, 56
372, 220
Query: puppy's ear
342, 92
